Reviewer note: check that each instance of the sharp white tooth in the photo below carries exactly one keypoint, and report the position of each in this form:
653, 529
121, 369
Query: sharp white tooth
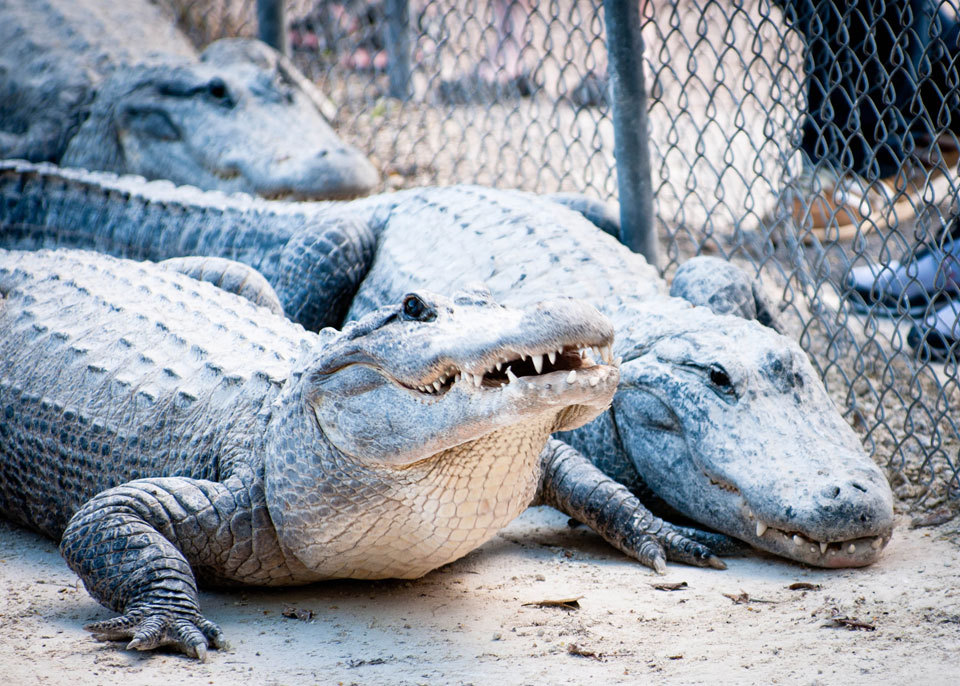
606, 353
572, 376
499, 366
537, 363
761, 528
823, 547
594, 380
617, 362
456, 379
876, 543
511, 377
552, 356
797, 539
468, 377
852, 548
813, 549
437, 385
477, 380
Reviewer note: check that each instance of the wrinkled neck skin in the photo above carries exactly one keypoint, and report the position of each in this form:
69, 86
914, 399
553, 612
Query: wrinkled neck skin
338, 516
728, 422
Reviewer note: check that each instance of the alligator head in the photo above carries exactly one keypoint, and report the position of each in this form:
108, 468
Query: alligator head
728, 422
242, 119
427, 421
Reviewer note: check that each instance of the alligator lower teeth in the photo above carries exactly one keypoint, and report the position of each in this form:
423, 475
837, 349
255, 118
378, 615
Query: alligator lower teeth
511, 377
797, 539
572, 376
852, 548
876, 543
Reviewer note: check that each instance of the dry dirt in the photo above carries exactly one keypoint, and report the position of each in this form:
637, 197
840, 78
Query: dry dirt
469, 623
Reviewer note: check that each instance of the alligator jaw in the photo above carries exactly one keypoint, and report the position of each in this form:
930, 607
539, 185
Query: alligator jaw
854, 552
793, 542
543, 367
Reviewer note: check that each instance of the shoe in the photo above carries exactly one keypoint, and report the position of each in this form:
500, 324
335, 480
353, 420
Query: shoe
833, 207
931, 276
937, 335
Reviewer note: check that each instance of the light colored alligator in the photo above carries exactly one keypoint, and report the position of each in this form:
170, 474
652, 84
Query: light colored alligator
114, 86
172, 432
721, 417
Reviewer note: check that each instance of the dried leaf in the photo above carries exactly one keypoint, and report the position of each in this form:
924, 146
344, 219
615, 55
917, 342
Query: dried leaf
935, 518
574, 649
804, 586
679, 586
742, 598
838, 620
564, 603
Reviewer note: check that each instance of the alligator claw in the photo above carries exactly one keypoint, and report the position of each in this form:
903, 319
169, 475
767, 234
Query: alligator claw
190, 636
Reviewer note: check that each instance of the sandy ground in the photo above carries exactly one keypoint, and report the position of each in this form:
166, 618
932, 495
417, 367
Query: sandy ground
468, 623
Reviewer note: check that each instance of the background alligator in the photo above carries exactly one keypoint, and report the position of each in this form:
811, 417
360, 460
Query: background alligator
171, 431
115, 86
721, 417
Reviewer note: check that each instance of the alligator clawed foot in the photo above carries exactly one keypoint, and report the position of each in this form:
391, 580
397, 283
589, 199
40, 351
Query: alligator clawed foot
148, 631
698, 548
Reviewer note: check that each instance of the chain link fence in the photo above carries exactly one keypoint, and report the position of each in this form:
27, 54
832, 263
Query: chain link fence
810, 141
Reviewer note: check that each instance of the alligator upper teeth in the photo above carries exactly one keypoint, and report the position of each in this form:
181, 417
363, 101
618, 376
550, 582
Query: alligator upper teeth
604, 352
761, 528
823, 547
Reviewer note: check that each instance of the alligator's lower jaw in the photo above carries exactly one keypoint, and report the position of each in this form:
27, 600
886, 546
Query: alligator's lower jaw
856, 552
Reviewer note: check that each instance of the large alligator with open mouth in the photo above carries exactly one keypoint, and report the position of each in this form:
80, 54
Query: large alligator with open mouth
719, 415
166, 431
116, 87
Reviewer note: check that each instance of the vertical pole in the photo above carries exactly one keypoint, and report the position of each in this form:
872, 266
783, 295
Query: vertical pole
397, 40
271, 20
630, 128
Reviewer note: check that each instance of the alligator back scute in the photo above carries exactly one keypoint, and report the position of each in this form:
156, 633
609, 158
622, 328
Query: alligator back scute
130, 396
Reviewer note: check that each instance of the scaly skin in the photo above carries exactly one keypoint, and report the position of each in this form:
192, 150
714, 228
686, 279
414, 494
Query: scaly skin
115, 86
705, 400
173, 432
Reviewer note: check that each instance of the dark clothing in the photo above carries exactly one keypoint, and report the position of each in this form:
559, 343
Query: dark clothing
881, 79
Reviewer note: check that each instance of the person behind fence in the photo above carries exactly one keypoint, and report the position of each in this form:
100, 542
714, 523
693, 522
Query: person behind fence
883, 88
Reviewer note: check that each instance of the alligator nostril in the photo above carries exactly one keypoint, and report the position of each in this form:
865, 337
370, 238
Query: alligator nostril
858, 487
835, 493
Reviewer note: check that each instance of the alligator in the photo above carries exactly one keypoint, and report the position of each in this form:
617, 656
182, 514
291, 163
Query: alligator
720, 416
169, 433
115, 86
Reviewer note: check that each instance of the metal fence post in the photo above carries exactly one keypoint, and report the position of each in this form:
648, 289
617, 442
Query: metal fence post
397, 41
271, 20
631, 137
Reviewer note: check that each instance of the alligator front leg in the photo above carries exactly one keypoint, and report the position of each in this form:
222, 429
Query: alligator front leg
135, 548
573, 485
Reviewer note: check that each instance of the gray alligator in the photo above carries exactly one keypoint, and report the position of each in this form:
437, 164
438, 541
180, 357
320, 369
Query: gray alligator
721, 417
114, 86
167, 432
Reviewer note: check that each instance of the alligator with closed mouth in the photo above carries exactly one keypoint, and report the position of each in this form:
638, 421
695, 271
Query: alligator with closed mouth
720, 416
115, 86
166, 431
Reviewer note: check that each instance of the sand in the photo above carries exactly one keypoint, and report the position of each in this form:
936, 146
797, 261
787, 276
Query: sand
895, 622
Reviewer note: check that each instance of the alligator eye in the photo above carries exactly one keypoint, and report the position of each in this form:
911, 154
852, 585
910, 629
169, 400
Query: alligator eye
217, 88
719, 378
414, 308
